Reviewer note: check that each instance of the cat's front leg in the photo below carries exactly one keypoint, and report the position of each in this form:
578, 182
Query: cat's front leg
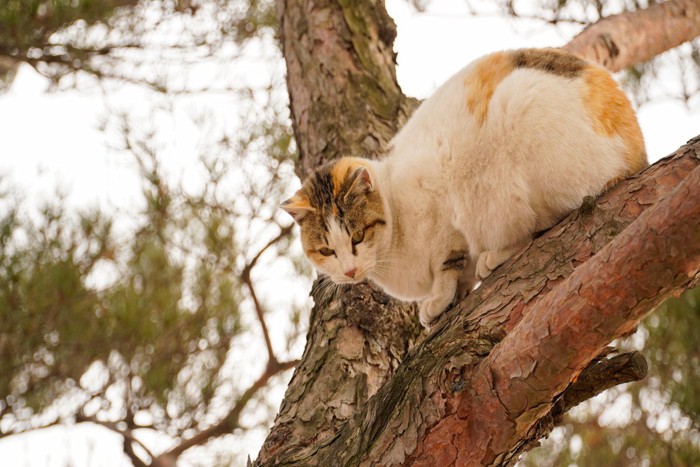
490, 260
447, 276
439, 301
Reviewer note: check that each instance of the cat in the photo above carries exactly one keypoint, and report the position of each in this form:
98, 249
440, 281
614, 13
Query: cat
505, 148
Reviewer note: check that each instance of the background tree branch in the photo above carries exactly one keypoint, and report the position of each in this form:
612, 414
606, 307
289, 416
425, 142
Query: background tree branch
620, 41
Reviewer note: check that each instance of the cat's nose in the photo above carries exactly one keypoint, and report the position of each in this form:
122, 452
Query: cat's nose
351, 272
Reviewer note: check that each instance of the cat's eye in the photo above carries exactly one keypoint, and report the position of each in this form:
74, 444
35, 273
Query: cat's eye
326, 251
358, 236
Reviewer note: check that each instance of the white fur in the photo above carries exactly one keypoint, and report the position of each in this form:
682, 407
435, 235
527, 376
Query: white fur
449, 182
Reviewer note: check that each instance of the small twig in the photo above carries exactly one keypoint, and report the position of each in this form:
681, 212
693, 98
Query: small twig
230, 421
259, 311
129, 451
603, 373
284, 231
245, 277
127, 434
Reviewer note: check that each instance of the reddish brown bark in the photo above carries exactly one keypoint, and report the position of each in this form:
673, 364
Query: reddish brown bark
603, 299
620, 41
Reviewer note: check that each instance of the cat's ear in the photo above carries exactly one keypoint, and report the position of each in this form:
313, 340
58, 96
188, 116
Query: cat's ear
298, 206
362, 182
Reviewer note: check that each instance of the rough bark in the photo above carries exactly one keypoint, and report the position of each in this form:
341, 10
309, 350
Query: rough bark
361, 343
341, 78
619, 41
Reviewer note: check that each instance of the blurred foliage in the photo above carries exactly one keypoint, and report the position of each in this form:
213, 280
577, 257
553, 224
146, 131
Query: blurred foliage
141, 320
54, 326
164, 320
108, 326
119, 38
653, 422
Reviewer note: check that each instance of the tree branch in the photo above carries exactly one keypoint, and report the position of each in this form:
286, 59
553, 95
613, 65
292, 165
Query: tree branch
126, 434
245, 277
620, 41
600, 375
603, 373
261, 318
518, 383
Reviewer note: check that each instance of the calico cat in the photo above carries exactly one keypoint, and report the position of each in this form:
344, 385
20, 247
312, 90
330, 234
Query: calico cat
505, 148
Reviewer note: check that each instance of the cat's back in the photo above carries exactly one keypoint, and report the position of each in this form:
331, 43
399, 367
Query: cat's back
539, 125
552, 94
537, 113
533, 91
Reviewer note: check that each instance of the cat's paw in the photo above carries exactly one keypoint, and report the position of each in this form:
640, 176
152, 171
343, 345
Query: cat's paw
490, 260
431, 309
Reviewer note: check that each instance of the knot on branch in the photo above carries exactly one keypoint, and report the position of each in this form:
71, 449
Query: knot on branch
601, 374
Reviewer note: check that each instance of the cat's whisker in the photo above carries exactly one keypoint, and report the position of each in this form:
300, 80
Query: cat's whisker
382, 272
387, 261
325, 290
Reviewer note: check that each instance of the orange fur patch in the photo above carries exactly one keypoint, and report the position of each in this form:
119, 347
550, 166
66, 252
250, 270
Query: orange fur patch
298, 201
482, 82
339, 172
612, 115
342, 169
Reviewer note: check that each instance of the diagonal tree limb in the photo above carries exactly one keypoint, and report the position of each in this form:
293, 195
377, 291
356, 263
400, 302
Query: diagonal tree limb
657, 256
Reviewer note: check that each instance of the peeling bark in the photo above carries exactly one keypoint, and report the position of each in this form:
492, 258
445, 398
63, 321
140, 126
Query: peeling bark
367, 390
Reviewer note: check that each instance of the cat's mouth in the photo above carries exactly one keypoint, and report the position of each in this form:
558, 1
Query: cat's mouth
341, 279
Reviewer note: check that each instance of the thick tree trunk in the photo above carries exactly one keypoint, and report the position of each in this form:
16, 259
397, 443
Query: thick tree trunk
363, 394
345, 100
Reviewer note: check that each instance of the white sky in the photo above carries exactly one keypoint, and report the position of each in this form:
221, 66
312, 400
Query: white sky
52, 141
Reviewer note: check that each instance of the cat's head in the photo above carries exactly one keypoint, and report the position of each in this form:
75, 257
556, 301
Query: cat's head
342, 218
